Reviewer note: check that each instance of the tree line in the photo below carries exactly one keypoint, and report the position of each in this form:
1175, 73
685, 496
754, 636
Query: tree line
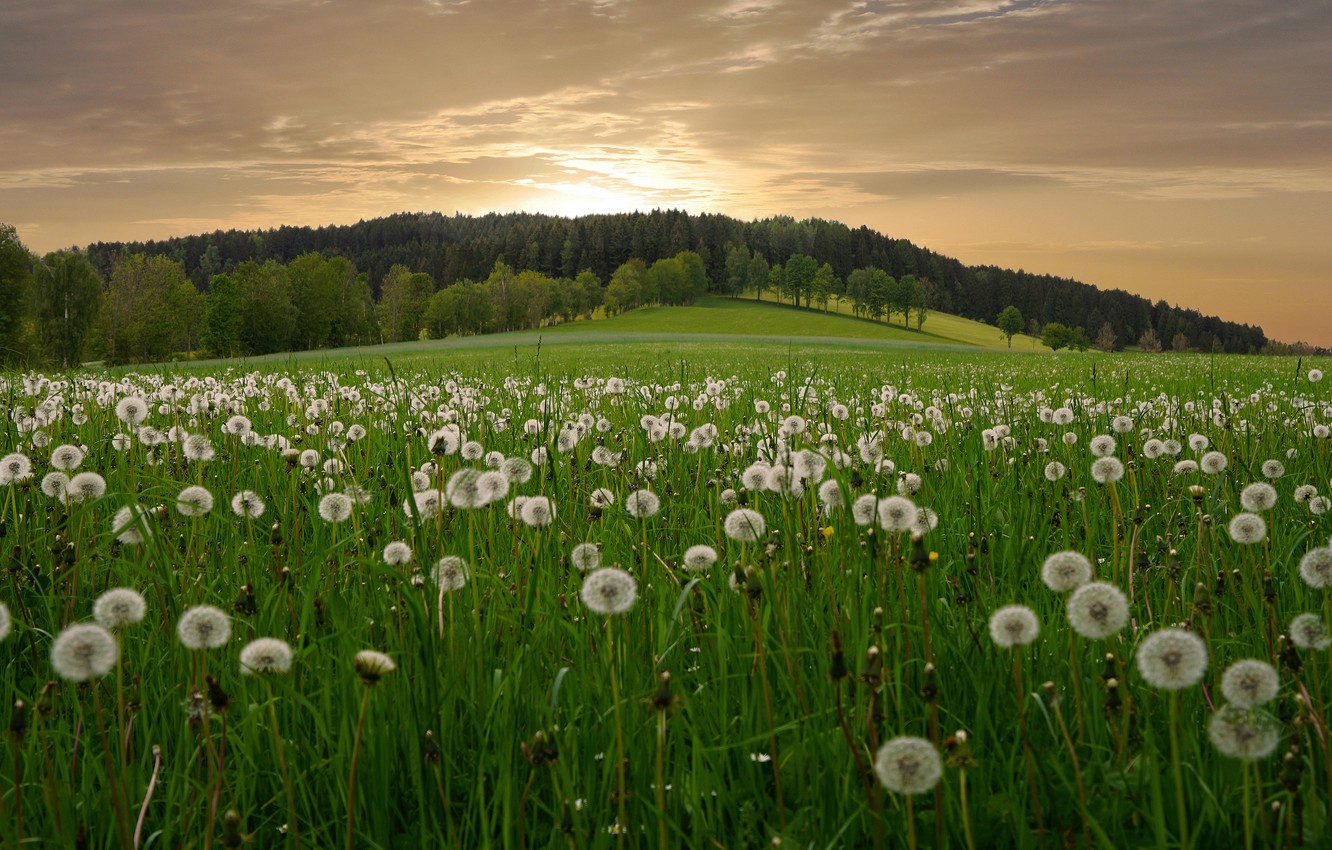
411, 275
461, 247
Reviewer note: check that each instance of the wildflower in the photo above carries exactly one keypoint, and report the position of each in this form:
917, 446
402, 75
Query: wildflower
1065, 571
1305, 492
865, 508
445, 441
1185, 467
1308, 631
585, 556
1315, 375
1258, 496
755, 476
15, 468
744, 525
130, 525
1014, 625
450, 573
131, 410
491, 486
908, 483
1172, 659
1121, 424
1102, 445
830, 495
1107, 470
609, 590
397, 553
203, 627
1213, 463
1097, 610
462, 489
1316, 568
908, 765
309, 458
1246, 528
1054, 470
372, 666
517, 470
601, 498
247, 504
1273, 469
537, 511
641, 504
119, 607
335, 507
194, 501
265, 655
926, 521
84, 651
198, 447
1152, 449
66, 458
897, 513
1245, 734
1250, 683
728, 498
699, 557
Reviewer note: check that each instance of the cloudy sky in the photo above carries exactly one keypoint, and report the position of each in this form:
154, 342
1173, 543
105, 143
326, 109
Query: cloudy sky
1181, 149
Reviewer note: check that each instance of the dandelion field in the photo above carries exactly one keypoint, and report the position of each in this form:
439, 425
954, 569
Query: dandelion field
721, 598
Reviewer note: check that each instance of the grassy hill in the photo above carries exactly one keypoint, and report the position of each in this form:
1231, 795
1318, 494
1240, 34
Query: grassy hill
747, 317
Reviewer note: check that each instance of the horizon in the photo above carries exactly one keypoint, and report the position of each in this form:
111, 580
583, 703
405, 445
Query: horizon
1178, 151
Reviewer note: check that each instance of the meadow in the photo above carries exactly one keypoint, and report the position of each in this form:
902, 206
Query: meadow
668, 592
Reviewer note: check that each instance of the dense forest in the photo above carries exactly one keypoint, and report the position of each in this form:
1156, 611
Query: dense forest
427, 274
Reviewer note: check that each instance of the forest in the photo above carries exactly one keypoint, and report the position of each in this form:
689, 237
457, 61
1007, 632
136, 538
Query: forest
415, 275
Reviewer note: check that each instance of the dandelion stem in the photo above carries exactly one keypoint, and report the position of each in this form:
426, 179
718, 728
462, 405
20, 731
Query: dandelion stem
148, 795
351, 777
620, 791
293, 826
1177, 771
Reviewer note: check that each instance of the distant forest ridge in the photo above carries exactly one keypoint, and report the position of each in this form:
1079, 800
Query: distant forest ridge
452, 249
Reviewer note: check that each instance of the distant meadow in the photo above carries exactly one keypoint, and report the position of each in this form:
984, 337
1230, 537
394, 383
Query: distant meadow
688, 595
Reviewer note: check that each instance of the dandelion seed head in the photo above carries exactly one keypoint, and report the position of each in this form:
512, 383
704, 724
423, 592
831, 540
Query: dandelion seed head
203, 627
1316, 568
1014, 625
1213, 463
1243, 733
372, 666
608, 591
449, 573
15, 468
897, 513
1102, 445
1097, 610
699, 557
585, 556
1249, 683
247, 505
335, 508
397, 553
66, 458
265, 656
1258, 496
1172, 659
83, 652
537, 511
1066, 571
194, 501
908, 765
119, 607
1107, 470
641, 504
1309, 632
744, 525
1054, 470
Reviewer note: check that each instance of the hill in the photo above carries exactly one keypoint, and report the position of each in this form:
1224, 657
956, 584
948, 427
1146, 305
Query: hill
456, 248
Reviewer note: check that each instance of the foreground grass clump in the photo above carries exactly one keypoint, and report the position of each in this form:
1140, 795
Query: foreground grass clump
600, 601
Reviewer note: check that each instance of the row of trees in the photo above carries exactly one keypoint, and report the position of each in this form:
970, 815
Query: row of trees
1057, 335
60, 310
456, 248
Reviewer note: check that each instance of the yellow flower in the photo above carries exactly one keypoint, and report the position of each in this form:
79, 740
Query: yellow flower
934, 556
827, 532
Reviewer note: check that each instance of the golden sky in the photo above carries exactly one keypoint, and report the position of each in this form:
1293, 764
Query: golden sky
1180, 149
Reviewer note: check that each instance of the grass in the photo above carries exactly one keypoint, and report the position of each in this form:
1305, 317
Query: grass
501, 725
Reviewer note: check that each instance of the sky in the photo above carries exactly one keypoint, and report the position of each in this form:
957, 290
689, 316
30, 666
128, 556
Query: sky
1179, 149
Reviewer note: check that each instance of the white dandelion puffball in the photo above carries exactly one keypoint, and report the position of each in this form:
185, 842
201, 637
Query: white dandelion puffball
1247, 529
1243, 733
1315, 375
372, 666
84, 651
1213, 463
66, 458
1014, 625
1273, 469
601, 498
864, 509
1258, 496
608, 591
203, 627
397, 553
335, 508
641, 504
194, 501
1107, 470
908, 765
1309, 632
585, 556
247, 505
1316, 568
699, 557
1102, 445
1250, 683
897, 513
130, 525
265, 655
1172, 659
517, 470
6, 622
537, 511
131, 410
1097, 610
745, 525
1054, 470
1065, 571
119, 607
450, 573
15, 468
86, 487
